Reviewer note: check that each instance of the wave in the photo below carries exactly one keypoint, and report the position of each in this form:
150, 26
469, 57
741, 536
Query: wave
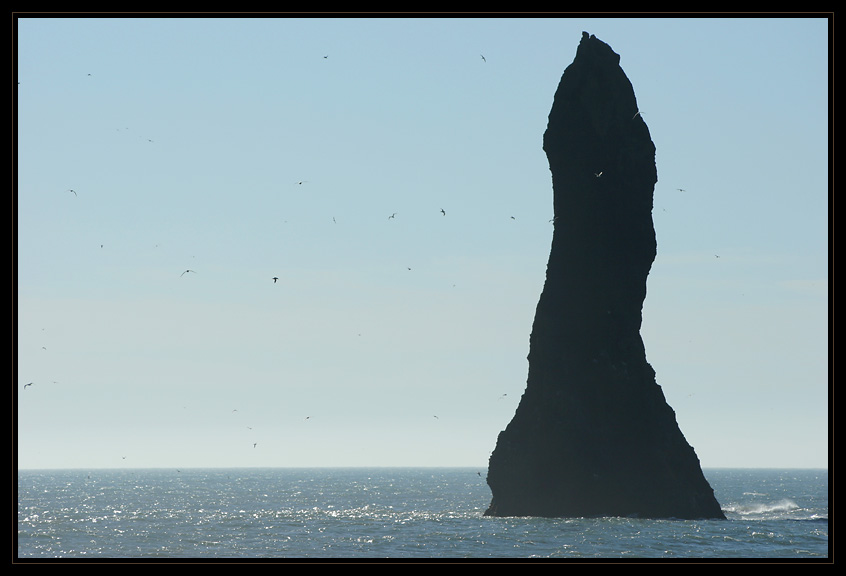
781, 506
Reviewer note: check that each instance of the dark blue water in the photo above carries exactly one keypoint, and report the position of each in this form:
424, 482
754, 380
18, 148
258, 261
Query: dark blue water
393, 513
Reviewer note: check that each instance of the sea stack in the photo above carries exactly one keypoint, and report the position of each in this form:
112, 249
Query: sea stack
593, 434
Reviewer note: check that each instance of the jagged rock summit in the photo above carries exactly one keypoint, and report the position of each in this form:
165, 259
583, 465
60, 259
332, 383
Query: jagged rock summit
593, 434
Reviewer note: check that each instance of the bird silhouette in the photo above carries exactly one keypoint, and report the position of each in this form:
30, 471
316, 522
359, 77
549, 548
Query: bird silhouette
275, 278
74, 192
25, 385
392, 215
597, 174
483, 57
186, 272
443, 211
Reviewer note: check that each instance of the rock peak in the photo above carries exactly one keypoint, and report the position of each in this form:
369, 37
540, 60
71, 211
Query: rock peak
592, 47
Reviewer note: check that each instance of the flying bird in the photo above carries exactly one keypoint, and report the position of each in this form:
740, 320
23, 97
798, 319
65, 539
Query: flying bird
74, 192
275, 278
443, 211
186, 272
483, 57
25, 385
636, 115
392, 215
681, 189
597, 174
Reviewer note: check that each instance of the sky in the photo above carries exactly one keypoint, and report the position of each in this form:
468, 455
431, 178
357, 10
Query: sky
364, 207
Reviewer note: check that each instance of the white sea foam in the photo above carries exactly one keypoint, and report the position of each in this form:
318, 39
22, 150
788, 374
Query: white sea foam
783, 506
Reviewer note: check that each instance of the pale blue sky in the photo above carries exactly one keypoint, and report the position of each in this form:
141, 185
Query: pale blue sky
184, 141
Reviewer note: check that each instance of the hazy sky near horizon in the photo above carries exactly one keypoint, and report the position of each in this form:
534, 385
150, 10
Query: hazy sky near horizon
248, 149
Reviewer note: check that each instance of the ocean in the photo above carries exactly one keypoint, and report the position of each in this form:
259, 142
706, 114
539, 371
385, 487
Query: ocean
389, 513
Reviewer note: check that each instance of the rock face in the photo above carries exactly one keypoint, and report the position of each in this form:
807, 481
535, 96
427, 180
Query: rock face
593, 434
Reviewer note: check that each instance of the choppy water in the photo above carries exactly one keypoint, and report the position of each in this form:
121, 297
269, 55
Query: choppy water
397, 513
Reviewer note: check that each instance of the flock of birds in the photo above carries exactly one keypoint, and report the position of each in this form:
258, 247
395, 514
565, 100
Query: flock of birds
275, 279
392, 216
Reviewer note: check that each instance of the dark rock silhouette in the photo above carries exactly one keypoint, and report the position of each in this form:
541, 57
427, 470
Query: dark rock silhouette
593, 434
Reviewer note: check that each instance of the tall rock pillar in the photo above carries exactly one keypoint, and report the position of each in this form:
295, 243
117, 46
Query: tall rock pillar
593, 434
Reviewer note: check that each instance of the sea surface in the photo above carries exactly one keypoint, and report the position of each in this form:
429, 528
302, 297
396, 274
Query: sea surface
389, 513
